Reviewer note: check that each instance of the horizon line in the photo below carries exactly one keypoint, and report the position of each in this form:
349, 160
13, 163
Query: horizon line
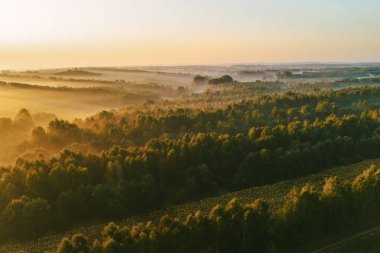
278, 63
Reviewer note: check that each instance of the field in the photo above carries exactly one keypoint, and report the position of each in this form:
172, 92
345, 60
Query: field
55, 76
274, 194
146, 83
139, 86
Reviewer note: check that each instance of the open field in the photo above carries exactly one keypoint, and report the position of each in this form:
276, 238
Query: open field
49, 77
65, 102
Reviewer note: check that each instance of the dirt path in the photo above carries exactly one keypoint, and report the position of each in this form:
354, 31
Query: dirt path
363, 234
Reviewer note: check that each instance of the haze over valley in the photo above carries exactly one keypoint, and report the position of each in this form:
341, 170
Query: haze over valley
189, 126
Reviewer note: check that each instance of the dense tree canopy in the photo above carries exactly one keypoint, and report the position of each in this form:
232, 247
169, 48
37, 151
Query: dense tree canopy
307, 214
154, 158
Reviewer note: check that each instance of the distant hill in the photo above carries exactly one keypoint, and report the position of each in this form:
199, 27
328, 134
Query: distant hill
120, 70
76, 72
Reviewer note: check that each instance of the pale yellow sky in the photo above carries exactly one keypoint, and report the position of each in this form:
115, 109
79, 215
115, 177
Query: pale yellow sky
46, 33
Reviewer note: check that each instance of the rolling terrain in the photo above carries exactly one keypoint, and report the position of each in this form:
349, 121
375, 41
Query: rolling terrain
274, 194
320, 118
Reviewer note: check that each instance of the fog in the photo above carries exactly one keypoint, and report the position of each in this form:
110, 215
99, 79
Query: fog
29, 99
76, 94
16, 129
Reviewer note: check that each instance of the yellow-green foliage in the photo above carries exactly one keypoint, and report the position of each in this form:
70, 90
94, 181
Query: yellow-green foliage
307, 213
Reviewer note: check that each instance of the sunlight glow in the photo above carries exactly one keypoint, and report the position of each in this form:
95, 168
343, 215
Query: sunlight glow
47, 33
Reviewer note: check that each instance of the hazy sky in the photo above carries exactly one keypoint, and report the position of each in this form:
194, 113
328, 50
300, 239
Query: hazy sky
43, 33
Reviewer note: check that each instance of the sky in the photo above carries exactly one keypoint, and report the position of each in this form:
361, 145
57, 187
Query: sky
67, 33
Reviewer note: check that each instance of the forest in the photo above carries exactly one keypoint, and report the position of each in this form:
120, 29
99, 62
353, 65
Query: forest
171, 145
307, 214
216, 126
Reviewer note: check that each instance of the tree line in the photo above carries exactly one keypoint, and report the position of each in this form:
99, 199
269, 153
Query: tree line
307, 214
124, 181
246, 144
137, 127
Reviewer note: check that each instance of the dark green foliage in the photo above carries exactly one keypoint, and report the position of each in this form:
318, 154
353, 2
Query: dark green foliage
285, 74
24, 217
306, 215
76, 72
198, 79
189, 154
107, 128
221, 80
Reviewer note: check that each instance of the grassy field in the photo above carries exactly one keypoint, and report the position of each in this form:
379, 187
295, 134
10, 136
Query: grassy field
20, 90
66, 103
274, 194
42, 77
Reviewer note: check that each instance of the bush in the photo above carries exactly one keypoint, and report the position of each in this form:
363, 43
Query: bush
26, 217
198, 79
221, 80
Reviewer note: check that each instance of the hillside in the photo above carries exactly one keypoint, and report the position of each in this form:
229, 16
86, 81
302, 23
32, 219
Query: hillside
76, 72
274, 194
